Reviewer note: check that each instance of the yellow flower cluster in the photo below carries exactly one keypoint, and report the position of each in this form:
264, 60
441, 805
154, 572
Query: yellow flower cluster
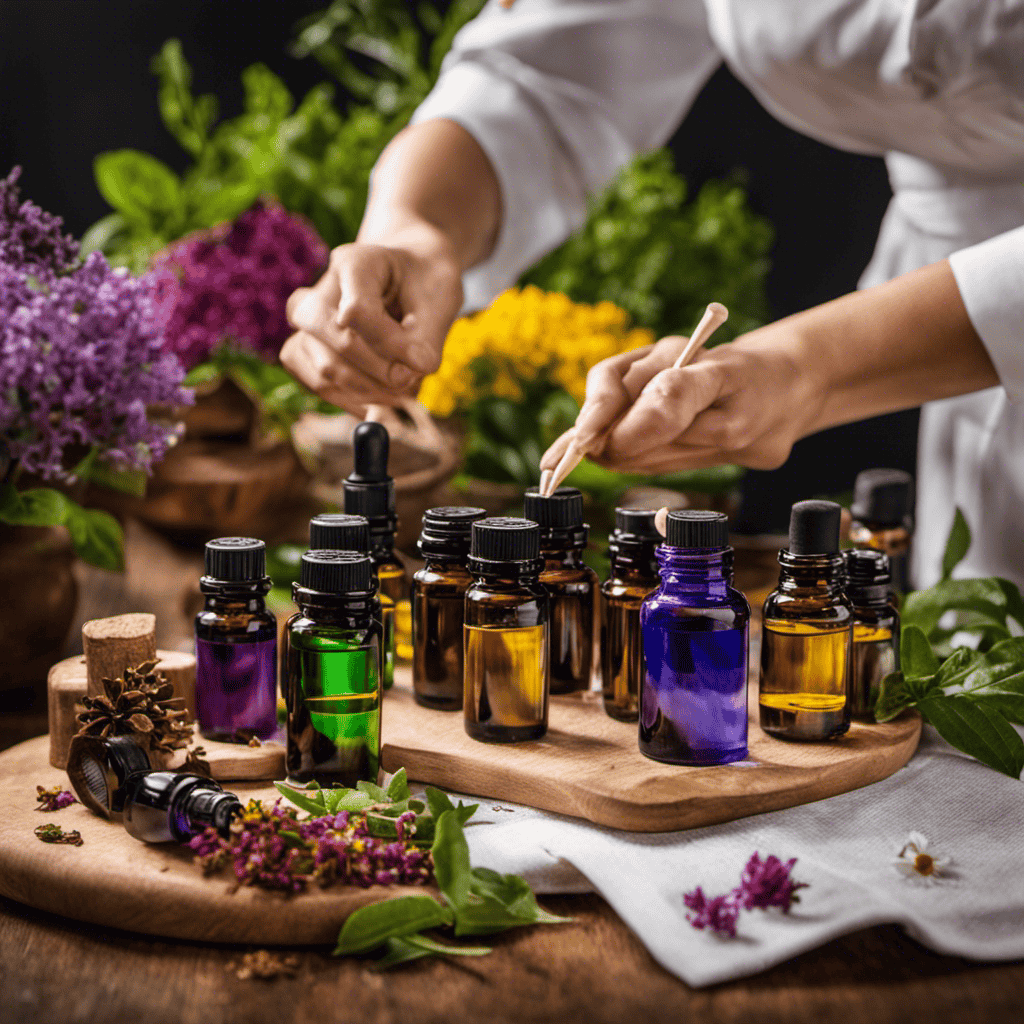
528, 335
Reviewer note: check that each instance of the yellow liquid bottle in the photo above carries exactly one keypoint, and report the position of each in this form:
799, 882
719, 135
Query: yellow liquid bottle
876, 628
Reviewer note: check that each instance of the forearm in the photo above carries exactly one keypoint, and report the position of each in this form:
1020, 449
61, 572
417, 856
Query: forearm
434, 188
892, 347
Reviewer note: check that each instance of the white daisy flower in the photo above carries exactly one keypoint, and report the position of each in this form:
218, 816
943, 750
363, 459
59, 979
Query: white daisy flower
916, 863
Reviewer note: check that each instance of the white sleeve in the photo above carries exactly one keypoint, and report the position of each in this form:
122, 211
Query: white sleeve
560, 94
990, 277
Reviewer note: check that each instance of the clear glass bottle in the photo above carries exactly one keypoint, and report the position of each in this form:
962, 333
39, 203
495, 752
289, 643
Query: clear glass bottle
696, 627
236, 643
807, 632
876, 628
439, 605
634, 575
370, 492
506, 634
332, 685
570, 583
883, 518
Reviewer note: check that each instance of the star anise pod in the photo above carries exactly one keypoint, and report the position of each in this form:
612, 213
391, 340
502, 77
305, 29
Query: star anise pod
142, 705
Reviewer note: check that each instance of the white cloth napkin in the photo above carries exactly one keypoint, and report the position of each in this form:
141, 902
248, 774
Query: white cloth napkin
845, 847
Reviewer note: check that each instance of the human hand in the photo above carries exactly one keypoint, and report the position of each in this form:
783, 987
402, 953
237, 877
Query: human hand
374, 325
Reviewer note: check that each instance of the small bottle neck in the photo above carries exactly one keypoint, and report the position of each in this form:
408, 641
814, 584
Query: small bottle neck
633, 559
352, 611
558, 557
444, 562
825, 572
696, 569
235, 595
506, 575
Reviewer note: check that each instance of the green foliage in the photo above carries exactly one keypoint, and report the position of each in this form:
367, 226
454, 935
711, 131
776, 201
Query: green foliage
96, 536
970, 694
662, 259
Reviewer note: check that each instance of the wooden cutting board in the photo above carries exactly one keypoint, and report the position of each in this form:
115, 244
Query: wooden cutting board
115, 880
588, 765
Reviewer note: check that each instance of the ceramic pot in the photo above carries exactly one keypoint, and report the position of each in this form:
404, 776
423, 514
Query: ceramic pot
39, 599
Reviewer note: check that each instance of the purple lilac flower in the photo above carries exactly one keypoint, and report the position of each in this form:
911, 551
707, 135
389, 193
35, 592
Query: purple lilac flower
767, 883
81, 360
718, 913
231, 284
54, 799
30, 238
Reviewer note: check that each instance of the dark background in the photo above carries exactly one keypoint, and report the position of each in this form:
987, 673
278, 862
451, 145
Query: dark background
75, 81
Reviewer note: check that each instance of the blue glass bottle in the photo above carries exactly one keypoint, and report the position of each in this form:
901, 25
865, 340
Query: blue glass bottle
693, 701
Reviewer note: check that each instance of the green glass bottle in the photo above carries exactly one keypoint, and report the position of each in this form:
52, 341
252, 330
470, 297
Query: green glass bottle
332, 683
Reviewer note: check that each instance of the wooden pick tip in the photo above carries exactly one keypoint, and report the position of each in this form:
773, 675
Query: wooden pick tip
661, 520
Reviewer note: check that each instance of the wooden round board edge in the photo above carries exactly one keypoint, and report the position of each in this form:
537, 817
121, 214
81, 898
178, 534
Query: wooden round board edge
116, 881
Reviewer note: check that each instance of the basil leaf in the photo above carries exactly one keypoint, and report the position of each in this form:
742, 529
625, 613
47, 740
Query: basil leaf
514, 894
398, 787
371, 926
41, 506
893, 697
399, 951
354, 800
1014, 600
984, 598
301, 800
439, 803
977, 730
451, 859
97, 537
958, 542
334, 799
373, 791
430, 946
916, 656
137, 185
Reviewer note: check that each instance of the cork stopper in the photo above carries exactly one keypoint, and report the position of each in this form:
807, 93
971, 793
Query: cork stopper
111, 645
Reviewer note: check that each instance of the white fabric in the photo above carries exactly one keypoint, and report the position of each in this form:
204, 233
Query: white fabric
844, 848
560, 93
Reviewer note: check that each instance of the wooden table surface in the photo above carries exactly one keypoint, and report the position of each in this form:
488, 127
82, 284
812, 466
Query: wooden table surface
593, 970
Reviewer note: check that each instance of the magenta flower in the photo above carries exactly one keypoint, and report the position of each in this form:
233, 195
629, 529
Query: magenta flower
767, 883
231, 284
719, 913
54, 799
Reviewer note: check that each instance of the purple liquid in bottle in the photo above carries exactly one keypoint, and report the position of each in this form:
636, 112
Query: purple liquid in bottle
693, 699
236, 687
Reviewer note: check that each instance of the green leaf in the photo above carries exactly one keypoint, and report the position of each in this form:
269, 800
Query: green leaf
371, 789
893, 697
398, 787
40, 506
977, 730
439, 802
443, 949
140, 187
187, 118
957, 544
916, 657
97, 537
371, 926
399, 951
451, 859
301, 800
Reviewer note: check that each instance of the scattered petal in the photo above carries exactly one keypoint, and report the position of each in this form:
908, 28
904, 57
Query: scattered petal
54, 799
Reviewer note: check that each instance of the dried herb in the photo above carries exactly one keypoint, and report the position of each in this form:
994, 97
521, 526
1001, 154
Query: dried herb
196, 762
141, 704
265, 964
54, 799
55, 834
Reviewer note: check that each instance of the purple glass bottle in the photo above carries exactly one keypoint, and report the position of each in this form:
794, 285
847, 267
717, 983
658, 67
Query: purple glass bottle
236, 643
693, 701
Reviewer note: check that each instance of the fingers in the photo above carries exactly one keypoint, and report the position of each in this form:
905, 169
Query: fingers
554, 454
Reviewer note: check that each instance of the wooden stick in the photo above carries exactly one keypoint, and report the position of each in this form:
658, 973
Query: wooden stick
714, 316
66, 685
114, 644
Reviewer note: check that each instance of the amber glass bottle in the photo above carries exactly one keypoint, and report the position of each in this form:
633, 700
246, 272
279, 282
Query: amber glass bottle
370, 492
876, 628
883, 518
634, 575
807, 632
570, 583
506, 634
438, 606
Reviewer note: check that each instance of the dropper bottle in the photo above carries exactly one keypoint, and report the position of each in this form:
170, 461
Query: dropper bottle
370, 492
876, 628
807, 632
883, 518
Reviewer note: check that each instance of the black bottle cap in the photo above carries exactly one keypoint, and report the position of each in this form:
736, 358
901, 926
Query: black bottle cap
866, 567
236, 559
563, 509
814, 528
99, 767
447, 530
369, 491
636, 522
339, 532
337, 572
883, 496
694, 528
505, 539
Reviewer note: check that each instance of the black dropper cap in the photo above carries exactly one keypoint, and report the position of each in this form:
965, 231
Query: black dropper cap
505, 539
337, 572
563, 509
883, 496
447, 530
369, 491
236, 559
695, 528
867, 568
98, 768
814, 528
636, 523
339, 532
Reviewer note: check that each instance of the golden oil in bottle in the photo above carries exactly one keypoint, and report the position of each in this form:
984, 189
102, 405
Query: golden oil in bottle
807, 632
634, 575
883, 518
505, 693
876, 628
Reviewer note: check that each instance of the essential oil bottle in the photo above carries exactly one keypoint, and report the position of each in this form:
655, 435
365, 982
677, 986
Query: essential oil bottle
439, 606
236, 643
370, 492
506, 634
332, 687
570, 584
807, 632
883, 518
876, 628
634, 574
693, 702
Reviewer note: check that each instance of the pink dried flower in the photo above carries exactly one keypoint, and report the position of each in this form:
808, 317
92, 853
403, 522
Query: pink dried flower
767, 883
54, 799
718, 913
231, 284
